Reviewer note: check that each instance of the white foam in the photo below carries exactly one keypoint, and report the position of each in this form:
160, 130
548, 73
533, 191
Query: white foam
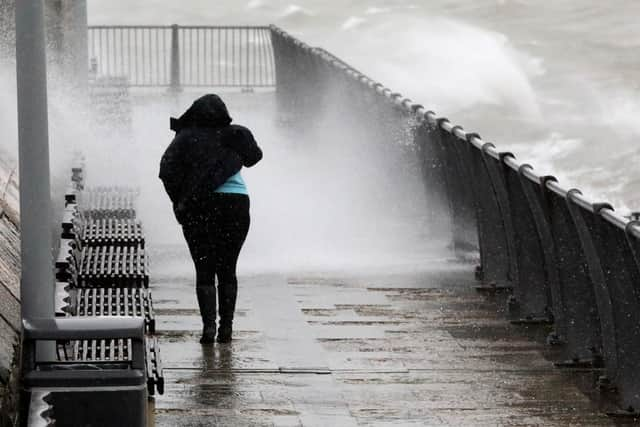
255, 4
376, 10
352, 22
293, 10
445, 64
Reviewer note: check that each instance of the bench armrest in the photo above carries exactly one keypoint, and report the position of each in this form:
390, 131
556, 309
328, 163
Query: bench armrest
107, 327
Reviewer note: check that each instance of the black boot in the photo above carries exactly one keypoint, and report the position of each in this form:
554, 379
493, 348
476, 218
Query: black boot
225, 330
227, 299
207, 302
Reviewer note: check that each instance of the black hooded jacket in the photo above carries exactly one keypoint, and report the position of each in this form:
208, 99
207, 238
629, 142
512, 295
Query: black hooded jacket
206, 151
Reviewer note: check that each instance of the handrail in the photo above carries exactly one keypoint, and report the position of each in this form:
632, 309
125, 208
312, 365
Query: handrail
223, 27
566, 259
178, 57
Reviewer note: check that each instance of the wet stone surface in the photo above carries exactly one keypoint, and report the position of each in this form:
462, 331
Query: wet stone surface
416, 348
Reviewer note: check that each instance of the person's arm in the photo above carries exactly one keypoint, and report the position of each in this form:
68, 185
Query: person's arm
172, 169
240, 139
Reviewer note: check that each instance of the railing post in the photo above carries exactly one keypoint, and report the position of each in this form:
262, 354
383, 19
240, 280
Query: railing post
37, 282
175, 84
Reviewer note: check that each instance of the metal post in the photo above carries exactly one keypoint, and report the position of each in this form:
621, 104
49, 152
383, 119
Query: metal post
37, 281
175, 85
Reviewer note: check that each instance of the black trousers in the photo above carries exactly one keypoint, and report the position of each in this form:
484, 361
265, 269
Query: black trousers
215, 235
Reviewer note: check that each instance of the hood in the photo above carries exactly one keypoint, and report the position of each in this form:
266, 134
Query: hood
208, 111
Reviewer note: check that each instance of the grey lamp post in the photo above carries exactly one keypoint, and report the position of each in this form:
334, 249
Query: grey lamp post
37, 281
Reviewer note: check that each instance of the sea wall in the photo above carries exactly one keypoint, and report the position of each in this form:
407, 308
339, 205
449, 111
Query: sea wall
9, 292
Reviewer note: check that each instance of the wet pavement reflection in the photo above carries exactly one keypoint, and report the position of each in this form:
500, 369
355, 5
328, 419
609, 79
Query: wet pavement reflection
414, 348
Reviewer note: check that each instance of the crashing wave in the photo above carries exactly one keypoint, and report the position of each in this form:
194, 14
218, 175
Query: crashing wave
255, 4
293, 10
377, 10
352, 22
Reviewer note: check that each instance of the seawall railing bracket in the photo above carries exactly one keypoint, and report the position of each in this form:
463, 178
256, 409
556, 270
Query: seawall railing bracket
555, 339
532, 321
605, 385
494, 287
478, 273
629, 414
578, 364
504, 154
472, 135
486, 147
440, 121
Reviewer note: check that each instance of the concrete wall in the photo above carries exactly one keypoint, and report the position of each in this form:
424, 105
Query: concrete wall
9, 293
9, 318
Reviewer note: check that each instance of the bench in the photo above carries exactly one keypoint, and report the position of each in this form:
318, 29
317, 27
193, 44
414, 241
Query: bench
102, 203
98, 385
114, 302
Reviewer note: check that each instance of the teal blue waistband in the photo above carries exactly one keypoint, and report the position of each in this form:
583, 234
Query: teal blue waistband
235, 184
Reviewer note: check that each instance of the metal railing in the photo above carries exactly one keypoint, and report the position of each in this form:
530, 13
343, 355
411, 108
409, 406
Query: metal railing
183, 56
565, 259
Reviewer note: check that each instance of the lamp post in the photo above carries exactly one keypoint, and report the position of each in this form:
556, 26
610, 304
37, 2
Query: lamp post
37, 280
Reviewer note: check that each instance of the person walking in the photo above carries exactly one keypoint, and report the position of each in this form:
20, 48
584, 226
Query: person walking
200, 171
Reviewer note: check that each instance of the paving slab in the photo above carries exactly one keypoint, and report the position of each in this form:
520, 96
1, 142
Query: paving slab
344, 349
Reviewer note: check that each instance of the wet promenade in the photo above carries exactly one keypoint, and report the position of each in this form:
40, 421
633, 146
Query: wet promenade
412, 348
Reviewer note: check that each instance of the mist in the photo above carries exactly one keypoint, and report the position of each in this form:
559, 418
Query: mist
325, 197
522, 76
68, 126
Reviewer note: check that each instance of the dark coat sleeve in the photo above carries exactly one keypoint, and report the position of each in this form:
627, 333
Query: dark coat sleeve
172, 168
240, 139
